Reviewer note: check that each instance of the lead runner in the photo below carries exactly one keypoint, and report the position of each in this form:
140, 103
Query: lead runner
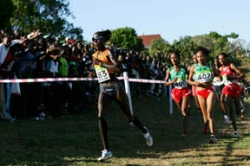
106, 66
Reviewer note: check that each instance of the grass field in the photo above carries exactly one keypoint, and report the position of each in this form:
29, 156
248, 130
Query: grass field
75, 140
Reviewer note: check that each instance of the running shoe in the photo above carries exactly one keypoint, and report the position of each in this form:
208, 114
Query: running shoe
212, 139
199, 110
105, 155
238, 111
227, 120
236, 134
148, 137
7, 116
242, 114
184, 134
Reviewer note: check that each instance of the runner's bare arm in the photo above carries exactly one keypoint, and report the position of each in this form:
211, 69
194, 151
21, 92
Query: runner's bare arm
238, 71
114, 67
167, 83
190, 77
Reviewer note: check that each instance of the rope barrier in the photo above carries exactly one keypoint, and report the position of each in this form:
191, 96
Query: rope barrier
126, 79
25, 80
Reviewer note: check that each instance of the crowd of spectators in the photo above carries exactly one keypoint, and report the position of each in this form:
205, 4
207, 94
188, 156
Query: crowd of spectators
37, 55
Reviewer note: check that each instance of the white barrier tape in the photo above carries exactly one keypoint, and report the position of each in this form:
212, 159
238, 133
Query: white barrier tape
92, 79
75, 79
146, 81
45, 80
218, 83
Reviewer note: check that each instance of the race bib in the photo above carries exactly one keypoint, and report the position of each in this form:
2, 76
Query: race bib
216, 82
227, 81
180, 84
102, 74
204, 77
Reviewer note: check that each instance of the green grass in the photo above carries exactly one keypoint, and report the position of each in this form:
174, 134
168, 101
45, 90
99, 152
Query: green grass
75, 140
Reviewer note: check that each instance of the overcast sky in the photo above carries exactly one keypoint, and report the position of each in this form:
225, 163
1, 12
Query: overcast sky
171, 19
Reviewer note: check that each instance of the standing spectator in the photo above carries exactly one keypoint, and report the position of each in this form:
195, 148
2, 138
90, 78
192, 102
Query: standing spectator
164, 92
144, 72
161, 76
27, 68
134, 74
106, 67
5, 60
85, 63
153, 75
122, 64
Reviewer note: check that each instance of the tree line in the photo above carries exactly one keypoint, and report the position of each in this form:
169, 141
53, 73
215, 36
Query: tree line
50, 17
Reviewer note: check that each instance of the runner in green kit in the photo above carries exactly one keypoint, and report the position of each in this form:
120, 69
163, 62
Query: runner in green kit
204, 73
181, 92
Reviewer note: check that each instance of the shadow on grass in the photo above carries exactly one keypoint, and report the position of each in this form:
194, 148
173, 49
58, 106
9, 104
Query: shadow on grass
76, 141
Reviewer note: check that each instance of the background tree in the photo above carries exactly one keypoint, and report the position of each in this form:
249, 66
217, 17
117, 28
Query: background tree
186, 47
126, 38
159, 46
217, 43
50, 16
236, 49
6, 12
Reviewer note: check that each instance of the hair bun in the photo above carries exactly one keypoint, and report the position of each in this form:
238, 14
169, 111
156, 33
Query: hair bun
107, 34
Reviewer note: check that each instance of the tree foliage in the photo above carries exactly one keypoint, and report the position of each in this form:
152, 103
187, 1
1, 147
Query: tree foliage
50, 16
159, 46
126, 38
186, 47
217, 43
213, 41
6, 11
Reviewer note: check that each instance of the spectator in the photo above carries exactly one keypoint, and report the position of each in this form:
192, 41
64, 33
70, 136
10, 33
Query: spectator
5, 62
153, 75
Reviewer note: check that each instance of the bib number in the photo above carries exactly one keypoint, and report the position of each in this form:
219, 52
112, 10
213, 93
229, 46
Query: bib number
226, 80
205, 77
181, 84
102, 74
